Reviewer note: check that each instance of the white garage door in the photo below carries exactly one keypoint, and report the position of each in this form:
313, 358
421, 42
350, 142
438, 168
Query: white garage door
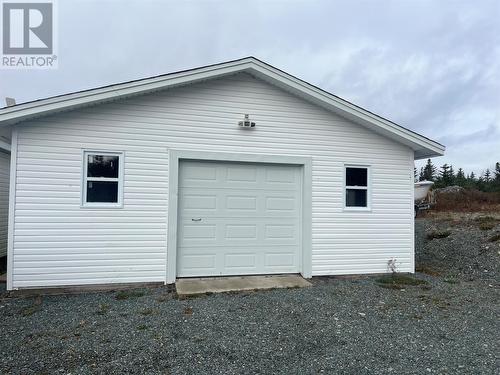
238, 219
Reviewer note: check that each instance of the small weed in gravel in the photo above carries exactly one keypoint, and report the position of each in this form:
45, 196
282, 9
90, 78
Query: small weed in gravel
438, 234
397, 281
163, 298
103, 309
486, 222
35, 307
494, 238
450, 280
126, 294
142, 327
487, 225
148, 311
188, 311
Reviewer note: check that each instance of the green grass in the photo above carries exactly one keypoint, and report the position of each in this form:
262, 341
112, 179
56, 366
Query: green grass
126, 294
398, 281
438, 234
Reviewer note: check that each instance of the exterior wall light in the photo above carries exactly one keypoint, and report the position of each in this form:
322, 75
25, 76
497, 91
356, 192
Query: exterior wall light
246, 123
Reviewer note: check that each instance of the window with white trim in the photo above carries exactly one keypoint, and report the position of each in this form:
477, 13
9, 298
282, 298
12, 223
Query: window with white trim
102, 179
356, 187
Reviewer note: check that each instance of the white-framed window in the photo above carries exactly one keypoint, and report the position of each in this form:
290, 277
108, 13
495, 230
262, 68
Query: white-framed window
102, 182
357, 187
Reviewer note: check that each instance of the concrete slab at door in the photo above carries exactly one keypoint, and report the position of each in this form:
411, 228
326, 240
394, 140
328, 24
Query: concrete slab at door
194, 286
238, 218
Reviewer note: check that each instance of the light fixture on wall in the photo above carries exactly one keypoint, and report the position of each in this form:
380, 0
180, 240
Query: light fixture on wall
246, 123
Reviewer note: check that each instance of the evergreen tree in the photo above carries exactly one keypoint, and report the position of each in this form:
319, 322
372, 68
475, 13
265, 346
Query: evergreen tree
421, 175
497, 172
429, 171
487, 175
460, 179
445, 175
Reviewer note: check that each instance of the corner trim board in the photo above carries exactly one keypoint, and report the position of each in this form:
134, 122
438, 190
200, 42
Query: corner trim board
12, 209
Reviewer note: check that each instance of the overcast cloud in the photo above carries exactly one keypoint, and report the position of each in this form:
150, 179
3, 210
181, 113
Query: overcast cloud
431, 66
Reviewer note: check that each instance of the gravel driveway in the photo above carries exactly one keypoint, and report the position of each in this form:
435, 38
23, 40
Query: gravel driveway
338, 326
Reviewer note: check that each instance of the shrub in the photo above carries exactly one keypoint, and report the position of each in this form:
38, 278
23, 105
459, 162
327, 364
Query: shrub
468, 200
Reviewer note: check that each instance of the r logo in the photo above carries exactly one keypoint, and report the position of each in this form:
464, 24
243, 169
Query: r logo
27, 28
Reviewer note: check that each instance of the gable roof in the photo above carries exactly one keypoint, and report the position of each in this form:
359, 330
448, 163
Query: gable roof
422, 146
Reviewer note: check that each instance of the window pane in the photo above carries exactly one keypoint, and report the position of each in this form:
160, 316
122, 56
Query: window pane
102, 166
356, 176
102, 191
356, 198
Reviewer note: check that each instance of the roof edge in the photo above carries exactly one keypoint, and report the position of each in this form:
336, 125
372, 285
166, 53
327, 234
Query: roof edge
42, 107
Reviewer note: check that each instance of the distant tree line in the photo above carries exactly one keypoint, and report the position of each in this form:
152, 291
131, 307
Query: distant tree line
446, 176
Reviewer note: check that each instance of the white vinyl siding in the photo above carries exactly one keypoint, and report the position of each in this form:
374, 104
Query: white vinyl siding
58, 243
4, 200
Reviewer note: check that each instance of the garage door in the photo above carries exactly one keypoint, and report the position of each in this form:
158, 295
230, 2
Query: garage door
238, 219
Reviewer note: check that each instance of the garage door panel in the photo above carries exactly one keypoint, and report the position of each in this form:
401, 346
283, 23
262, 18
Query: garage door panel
240, 218
241, 202
244, 232
198, 202
240, 232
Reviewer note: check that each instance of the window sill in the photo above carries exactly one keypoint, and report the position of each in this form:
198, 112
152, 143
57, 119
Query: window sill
100, 206
357, 209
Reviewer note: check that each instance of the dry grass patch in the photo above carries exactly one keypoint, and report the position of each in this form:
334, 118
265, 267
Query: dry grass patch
126, 294
486, 222
148, 311
438, 234
494, 238
35, 307
468, 200
427, 270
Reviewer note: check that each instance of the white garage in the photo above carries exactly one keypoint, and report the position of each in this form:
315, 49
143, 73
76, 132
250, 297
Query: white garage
235, 168
238, 218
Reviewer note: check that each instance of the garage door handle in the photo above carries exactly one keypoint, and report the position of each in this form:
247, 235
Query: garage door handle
198, 219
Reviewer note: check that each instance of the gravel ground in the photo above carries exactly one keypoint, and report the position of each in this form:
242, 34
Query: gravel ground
338, 326
468, 253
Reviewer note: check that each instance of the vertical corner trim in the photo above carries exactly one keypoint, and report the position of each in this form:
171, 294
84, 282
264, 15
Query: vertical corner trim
12, 209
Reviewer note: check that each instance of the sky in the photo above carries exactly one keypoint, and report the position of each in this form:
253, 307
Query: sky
431, 66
